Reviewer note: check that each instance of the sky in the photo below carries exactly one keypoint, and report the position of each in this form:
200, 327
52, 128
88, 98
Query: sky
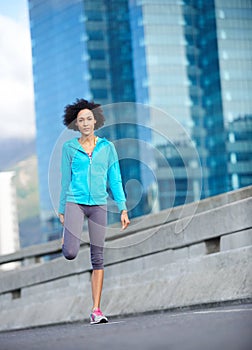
16, 83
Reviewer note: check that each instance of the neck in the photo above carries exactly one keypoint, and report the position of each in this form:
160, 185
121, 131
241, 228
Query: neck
87, 139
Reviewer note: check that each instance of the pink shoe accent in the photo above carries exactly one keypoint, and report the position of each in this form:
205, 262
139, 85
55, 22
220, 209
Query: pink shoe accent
98, 312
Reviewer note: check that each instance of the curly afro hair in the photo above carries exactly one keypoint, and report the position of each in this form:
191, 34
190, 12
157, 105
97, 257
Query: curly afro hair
71, 112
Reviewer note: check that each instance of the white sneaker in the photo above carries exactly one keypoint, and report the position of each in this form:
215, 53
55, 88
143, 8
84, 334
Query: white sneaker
97, 317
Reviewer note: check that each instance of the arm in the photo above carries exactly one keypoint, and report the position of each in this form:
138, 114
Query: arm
115, 182
65, 180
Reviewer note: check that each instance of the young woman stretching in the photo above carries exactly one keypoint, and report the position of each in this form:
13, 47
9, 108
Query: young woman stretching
88, 163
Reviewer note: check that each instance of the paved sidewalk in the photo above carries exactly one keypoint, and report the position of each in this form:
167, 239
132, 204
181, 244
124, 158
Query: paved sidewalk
219, 328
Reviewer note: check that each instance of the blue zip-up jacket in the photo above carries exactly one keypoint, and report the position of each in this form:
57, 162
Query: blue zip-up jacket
84, 179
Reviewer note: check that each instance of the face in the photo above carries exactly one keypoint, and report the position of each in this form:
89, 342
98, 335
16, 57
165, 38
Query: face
85, 122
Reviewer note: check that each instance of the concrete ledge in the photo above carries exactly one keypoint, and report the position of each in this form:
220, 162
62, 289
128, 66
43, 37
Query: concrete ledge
139, 224
236, 240
202, 228
179, 284
169, 262
183, 283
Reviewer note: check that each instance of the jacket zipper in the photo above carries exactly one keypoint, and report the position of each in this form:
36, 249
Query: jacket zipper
89, 180
90, 164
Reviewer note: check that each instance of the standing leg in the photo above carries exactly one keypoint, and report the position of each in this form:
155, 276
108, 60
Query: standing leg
97, 283
97, 222
73, 224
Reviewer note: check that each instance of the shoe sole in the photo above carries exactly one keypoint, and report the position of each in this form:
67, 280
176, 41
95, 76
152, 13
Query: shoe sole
103, 320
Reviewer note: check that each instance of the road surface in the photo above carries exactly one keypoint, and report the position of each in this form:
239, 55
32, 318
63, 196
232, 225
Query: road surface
219, 328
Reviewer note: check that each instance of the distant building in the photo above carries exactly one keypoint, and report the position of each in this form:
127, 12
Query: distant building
190, 59
26, 182
239, 147
9, 235
178, 175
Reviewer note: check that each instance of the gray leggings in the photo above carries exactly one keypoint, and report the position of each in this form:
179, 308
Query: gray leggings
73, 226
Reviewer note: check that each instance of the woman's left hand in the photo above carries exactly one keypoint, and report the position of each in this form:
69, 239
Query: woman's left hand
124, 219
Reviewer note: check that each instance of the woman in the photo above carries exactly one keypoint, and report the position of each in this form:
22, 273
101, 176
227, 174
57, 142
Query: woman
87, 163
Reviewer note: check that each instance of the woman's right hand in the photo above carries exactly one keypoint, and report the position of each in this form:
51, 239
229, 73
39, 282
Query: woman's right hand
61, 218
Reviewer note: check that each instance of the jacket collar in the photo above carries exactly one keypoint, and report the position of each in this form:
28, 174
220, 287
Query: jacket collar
74, 143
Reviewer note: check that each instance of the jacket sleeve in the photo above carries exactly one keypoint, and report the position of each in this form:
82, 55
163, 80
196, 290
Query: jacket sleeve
115, 179
65, 177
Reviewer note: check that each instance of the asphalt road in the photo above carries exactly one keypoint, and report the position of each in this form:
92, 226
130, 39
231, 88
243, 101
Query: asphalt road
221, 328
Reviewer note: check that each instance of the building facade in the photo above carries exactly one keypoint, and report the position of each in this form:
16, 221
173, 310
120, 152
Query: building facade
9, 231
188, 60
239, 150
60, 74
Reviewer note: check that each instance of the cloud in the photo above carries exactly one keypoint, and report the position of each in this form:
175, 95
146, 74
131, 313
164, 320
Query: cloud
16, 83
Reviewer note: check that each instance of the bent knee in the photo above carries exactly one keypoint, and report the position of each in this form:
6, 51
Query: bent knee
69, 254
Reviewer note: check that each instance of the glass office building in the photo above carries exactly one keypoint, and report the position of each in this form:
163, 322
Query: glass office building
166, 71
188, 59
59, 73
193, 59
239, 150
234, 35
79, 50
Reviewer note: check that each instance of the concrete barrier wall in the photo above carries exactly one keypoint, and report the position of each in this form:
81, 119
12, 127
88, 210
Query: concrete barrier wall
176, 258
